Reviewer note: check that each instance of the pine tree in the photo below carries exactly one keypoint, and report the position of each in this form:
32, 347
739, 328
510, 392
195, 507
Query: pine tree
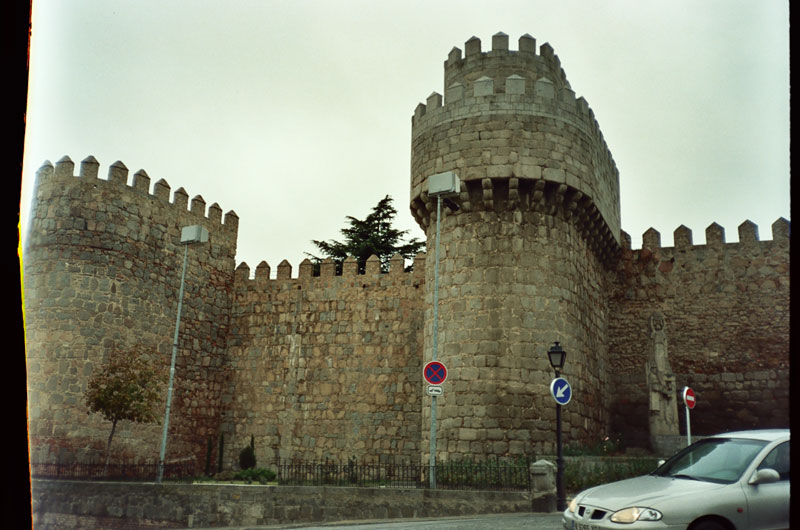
373, 235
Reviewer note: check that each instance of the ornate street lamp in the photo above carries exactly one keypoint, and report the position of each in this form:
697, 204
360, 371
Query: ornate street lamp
557, 356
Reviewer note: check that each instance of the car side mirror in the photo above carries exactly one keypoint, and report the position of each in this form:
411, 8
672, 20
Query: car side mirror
764, 476
661, 462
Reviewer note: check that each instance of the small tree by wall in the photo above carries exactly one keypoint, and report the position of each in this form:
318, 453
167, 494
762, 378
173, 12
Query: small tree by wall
126, 388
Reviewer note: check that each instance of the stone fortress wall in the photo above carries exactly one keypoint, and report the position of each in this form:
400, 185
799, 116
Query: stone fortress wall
329, 366
727, 311
102, 269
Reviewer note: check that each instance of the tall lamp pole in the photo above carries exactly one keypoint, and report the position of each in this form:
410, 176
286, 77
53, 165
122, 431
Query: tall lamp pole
439, 185
557, 356
189, 235
432, 459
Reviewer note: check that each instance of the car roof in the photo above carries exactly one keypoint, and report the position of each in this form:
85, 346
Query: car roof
759, 434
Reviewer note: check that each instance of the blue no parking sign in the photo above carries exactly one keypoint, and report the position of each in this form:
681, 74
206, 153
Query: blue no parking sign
561, 391
435, 373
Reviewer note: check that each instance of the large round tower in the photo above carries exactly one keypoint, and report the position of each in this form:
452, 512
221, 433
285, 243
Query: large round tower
102, 269
525, 249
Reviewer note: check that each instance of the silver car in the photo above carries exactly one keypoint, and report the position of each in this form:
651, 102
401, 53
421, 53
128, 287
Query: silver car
737, 480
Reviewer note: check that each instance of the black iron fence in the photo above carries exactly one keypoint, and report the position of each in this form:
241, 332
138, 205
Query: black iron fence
114, 471
489, 475
303, 473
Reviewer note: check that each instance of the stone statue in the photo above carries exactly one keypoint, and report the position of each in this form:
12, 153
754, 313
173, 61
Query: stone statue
661, 382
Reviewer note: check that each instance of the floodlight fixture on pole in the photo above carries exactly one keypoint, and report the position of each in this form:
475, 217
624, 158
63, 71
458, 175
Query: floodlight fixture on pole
439, 186
446, 183
189, 235
194, 234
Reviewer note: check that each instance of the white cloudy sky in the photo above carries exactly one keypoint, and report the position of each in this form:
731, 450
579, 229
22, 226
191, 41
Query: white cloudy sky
295, 114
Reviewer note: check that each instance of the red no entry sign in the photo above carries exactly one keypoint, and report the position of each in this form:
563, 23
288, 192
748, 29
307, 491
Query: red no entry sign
689, 398
434, 373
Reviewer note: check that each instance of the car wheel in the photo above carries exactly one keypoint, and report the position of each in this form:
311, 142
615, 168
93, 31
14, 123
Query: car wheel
709, 525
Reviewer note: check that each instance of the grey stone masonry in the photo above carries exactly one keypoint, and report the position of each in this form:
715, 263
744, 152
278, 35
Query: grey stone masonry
525, 253
325, 363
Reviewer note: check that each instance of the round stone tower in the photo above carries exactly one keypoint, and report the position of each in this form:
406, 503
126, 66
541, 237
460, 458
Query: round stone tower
525, 250
102, 266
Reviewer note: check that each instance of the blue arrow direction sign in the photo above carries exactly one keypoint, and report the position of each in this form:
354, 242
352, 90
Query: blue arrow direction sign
561, 390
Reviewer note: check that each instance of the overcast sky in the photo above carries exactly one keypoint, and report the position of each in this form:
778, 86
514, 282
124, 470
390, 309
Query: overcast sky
296, 114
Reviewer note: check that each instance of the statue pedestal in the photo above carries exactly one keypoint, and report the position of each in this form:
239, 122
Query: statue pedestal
661, 385
666, 445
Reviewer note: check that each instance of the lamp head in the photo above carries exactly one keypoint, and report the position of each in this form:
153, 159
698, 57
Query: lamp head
557, 356
194, 234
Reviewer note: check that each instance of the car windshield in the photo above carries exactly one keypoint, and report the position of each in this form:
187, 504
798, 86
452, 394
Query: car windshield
720, 460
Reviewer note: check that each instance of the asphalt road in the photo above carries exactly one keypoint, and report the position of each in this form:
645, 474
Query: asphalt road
510, 521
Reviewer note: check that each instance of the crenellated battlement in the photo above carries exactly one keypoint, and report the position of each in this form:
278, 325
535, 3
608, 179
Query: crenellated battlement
509, 120
328, 271
502, 59
715, 237
513, 94
716, 262
140, 183
522, 75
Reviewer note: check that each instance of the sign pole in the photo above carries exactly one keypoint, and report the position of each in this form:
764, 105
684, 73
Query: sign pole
560, 496
688, 428
438, 185
432, 461
689, 401
688, 396
561, 391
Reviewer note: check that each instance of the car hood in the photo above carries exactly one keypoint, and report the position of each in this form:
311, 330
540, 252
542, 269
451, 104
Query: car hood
647, 491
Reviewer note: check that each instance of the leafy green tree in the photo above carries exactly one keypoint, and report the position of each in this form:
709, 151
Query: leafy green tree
126, 388
373, 235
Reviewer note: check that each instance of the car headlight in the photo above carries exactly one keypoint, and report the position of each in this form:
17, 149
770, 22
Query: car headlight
573, 505
636, 513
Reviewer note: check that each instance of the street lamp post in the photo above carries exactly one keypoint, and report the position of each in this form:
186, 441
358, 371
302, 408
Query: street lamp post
189, 235
557, 356
439, 186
